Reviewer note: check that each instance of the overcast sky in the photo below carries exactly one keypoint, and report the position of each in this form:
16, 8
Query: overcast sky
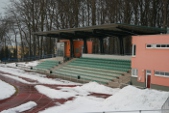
3, 3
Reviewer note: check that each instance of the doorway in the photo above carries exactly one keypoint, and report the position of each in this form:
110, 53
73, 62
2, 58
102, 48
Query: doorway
148, 79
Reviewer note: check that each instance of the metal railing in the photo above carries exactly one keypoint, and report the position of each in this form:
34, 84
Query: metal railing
165, 106
134, 111
164, 109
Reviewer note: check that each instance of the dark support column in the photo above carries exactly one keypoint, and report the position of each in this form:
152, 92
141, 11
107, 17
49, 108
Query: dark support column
71, 48
38, 46
41, 46
50, 45
121, 45
30, 48
101, 45
85, 45
58, 39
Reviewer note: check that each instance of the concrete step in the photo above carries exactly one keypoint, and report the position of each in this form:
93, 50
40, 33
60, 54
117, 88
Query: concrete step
98, 72
63, 64
90, 78
114, 84
88, 74
102, 67
95, 69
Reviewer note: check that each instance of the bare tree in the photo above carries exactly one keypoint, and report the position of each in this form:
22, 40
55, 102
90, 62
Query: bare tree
44, 15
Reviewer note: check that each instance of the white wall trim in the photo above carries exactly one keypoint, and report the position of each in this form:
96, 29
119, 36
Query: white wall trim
127, 57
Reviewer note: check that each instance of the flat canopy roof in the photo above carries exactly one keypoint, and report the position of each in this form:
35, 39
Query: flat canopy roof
114, 29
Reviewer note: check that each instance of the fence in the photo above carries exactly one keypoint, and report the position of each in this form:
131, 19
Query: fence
6, 60
165, 106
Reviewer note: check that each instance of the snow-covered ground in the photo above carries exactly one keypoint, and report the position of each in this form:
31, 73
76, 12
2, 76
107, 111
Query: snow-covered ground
68, 92
21, 108
22, 64
34, 76
128, 98
54, 94
7, 90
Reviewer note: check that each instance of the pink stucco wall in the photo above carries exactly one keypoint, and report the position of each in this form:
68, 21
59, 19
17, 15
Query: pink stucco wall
151, 59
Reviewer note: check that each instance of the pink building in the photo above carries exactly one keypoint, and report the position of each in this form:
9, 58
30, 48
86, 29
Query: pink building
150, 61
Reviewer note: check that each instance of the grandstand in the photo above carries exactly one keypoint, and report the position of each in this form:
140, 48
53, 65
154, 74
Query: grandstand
85, 69
111, 70
100, 70
73, 43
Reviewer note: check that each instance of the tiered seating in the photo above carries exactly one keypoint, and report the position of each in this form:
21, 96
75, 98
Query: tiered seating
94, 69
46, 65
109, 64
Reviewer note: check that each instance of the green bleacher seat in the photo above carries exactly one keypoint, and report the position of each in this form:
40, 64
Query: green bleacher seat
46, 65
94, 69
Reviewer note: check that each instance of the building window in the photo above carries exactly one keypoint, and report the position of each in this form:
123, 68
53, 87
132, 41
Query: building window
149, 45
163, 45
157, 46
134, 50
161, 73
167, 74
134, 72
148, 71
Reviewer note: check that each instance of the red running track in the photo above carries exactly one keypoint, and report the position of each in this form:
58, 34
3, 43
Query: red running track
27, 92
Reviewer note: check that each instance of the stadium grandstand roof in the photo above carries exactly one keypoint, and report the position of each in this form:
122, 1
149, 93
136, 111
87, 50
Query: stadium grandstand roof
114, 29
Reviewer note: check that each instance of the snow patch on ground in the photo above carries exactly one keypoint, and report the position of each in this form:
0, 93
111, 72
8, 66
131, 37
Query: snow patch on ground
7, 90
22, 64
99, 88
91, 87
29, 64
34, 76
67, 92
78, 105
16, 78
131, 98
54, 94
128, 98
21, 108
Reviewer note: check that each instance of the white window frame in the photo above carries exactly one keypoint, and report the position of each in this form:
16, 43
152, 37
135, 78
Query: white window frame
134, 72
162, 47
161, 75
154, 46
